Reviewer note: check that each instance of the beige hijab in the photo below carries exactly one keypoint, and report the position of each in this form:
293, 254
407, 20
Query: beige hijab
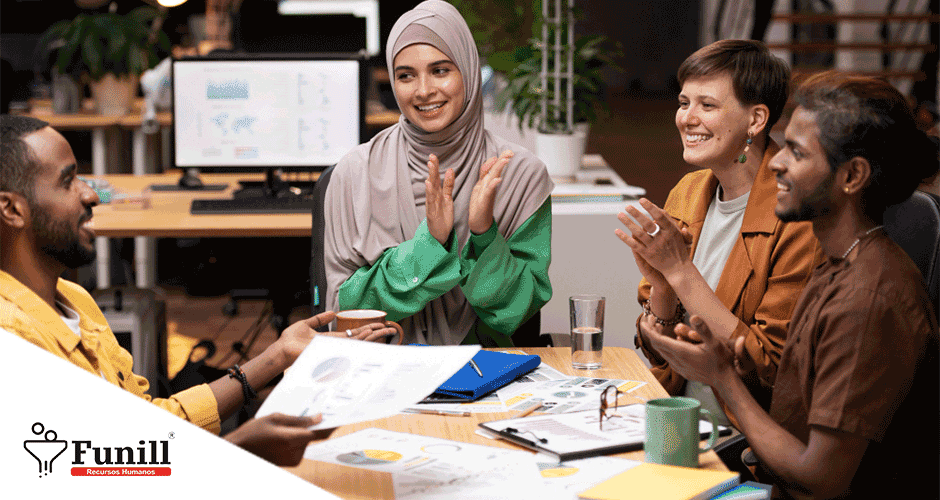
376, 197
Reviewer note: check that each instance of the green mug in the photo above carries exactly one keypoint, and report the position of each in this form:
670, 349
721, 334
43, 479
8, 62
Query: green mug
672, 435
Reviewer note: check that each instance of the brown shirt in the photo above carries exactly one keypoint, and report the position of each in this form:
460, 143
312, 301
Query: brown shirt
861, 357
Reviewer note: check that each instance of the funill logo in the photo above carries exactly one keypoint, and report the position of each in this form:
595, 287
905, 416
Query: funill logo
45, 451
152, 452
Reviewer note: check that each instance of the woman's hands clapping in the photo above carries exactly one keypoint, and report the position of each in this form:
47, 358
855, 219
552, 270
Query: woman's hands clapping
484, 192
440, 201
659, 247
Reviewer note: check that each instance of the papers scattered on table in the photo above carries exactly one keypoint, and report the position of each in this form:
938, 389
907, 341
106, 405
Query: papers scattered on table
570, 394
351, 381
432, 468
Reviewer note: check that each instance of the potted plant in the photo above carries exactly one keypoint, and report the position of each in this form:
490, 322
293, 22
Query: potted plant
523, 95
111, 50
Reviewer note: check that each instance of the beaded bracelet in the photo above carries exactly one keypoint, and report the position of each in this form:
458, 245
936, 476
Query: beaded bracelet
238, 374
675, 320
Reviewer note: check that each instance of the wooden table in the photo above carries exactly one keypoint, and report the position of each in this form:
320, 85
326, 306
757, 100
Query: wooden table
353, 483
168, 217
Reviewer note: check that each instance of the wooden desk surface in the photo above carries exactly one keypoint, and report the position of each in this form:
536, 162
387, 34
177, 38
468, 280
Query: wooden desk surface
353, 483
169, 217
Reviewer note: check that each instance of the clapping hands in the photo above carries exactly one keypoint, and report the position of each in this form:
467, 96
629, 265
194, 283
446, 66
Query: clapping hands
697, 354
440, 201
484, 192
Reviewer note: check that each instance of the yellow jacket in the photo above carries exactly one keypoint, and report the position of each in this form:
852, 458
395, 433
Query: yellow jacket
761, 281
23, 313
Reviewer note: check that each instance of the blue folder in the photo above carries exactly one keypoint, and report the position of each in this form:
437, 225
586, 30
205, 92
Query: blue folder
498, 368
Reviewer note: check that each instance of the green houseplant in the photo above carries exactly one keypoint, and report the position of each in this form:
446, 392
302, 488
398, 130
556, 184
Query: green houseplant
110, 50
523, 93
509, 35
560, 145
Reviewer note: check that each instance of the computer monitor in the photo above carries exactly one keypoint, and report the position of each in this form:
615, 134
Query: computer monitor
291, 112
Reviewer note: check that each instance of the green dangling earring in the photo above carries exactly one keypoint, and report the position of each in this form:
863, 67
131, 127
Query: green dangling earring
743, 157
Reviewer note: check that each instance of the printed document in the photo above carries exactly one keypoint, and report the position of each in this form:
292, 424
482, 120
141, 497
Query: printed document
428, 468
349, 381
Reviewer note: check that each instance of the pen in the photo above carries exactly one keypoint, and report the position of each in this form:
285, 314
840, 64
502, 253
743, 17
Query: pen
456, 413
526, 413
476, 368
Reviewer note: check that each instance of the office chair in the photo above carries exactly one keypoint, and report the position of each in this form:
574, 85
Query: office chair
914, 225
318, 286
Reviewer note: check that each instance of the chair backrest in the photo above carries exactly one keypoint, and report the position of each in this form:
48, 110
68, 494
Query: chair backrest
529, 334
914, 225
318, 286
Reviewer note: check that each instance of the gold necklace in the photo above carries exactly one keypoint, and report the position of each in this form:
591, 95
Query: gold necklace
846, 254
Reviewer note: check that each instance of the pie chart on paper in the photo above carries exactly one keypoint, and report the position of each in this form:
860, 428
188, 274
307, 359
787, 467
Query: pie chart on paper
370, 457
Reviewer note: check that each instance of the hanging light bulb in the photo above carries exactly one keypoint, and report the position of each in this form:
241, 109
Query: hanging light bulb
171, 3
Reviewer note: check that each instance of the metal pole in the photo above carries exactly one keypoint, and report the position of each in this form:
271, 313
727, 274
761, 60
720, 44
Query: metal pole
570, 73
556, 71
544, 76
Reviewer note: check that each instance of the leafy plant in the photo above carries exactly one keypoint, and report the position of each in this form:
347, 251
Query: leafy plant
499, 26
102, 43
523, 94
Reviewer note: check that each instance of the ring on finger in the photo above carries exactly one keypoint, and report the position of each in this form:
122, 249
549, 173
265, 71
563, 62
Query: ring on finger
655, 231
349, 333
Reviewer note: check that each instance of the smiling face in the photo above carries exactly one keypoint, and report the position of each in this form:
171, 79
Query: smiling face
712, 122
61, 204
428, 86
804, 179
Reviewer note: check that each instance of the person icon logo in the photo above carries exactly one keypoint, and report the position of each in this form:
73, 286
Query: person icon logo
45, 451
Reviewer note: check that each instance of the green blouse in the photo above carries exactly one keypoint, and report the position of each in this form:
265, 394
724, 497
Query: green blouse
505, 280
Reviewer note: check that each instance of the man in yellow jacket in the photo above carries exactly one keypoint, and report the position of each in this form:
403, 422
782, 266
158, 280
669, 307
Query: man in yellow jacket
45, 228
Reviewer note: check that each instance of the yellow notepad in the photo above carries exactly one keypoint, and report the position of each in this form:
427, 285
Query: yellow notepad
662, 482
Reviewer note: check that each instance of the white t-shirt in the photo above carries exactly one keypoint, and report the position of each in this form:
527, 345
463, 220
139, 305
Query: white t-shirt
719, 234
71, 319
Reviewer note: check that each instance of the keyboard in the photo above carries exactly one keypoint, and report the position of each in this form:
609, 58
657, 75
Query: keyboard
253, 205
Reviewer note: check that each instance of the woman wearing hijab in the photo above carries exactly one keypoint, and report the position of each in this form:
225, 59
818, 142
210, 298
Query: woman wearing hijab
744, 268
463, 260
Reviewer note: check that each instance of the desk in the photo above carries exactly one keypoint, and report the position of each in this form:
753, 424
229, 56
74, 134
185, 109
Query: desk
352, 483
169, 217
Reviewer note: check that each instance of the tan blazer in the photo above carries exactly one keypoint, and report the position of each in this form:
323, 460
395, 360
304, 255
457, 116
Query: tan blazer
762, 279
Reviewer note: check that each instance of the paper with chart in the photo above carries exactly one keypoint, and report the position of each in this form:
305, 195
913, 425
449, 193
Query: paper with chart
427, 468
562, 396
349, 381
565, 479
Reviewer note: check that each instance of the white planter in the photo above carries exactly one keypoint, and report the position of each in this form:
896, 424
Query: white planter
114, 96
562, 152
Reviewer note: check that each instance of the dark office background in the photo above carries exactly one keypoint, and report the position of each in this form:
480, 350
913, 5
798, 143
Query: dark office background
657, 36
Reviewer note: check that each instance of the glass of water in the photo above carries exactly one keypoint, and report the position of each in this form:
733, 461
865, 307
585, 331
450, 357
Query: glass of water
587, 331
